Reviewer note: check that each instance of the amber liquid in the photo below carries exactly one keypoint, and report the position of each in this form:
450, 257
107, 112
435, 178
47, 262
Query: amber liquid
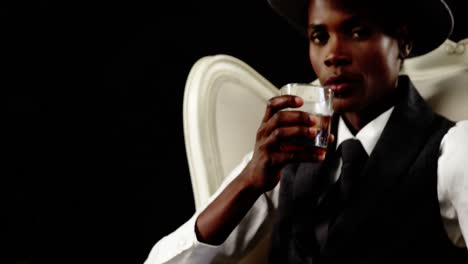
319, 141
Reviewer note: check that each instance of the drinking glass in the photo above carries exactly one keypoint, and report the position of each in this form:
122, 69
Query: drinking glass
318, 101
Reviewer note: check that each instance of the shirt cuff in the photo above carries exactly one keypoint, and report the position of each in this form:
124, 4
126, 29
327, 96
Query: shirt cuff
182, 246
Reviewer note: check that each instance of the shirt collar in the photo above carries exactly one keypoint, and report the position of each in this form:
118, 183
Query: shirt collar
368, 135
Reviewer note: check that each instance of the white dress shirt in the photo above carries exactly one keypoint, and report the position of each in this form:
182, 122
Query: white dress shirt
182, 246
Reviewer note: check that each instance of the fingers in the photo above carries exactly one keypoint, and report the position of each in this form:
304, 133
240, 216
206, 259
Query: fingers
297, 140
279, 127
288, 122
315, 155
290, 138
282, 134
277, 103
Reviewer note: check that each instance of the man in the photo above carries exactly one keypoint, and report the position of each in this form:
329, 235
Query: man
402, 205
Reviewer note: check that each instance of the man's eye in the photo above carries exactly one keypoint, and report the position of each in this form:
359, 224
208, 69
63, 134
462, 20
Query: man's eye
360, 33
318, 38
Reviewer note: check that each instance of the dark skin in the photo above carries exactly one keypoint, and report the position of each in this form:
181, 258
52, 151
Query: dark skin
367, 61
341, 44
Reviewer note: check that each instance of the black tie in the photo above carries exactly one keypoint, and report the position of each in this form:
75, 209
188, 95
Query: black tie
354, 157
335, 199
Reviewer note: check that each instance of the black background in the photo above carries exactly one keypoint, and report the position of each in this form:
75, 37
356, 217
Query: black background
95, 139
96, 163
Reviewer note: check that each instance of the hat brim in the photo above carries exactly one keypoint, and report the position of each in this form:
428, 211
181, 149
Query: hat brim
431, 21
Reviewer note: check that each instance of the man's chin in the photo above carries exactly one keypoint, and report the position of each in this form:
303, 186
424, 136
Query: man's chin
343, 105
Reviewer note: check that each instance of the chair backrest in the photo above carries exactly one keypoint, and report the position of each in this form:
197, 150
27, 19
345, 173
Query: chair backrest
224, 102
441, 77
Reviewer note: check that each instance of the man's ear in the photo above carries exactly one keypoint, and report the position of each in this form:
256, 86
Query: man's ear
404, 42
405, 49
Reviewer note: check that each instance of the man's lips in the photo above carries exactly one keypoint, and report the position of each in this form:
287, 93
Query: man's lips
339, 88
340, 85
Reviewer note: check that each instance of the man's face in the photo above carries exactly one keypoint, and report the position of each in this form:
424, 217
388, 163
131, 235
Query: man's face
351, 55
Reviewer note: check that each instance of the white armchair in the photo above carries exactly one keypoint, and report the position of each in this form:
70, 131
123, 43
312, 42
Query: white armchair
441, 77
223, 105
224, 102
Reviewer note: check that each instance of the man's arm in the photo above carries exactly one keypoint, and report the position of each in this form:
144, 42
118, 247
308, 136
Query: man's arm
182, 245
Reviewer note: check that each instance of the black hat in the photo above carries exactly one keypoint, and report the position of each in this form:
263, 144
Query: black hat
430, 21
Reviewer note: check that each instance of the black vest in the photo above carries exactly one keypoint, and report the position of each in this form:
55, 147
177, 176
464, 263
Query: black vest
395, 215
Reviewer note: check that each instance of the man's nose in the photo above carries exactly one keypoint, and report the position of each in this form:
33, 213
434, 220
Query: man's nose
337, 54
